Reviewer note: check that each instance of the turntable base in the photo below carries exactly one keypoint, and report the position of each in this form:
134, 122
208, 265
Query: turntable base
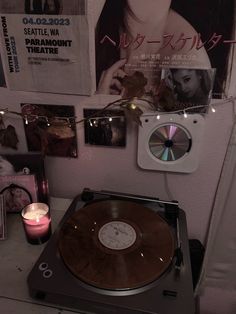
53, 280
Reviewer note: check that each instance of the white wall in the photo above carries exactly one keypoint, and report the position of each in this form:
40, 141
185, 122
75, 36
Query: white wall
116, 168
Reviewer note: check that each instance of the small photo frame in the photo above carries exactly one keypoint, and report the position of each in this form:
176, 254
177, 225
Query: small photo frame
189, 88
105, 128
25, 172
18, 191
3, 227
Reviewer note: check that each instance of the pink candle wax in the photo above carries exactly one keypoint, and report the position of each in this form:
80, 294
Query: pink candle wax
36, 220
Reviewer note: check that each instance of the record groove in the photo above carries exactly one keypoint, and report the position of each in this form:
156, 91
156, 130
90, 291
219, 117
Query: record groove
116, 245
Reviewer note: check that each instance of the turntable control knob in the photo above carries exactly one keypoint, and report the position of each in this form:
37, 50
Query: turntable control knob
47, 273
43, 266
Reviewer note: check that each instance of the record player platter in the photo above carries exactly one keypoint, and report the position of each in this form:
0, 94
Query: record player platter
116, 253
116, 244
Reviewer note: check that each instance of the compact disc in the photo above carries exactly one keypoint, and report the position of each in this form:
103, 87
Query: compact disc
169, 142
116, 244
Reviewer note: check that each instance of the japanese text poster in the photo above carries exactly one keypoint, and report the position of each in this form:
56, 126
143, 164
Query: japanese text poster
140, 42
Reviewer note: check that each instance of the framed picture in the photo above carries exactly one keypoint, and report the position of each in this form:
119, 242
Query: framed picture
23, 174
18, 191
106, 128
3, 229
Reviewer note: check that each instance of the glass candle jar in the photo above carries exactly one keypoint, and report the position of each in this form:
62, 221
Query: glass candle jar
37, 222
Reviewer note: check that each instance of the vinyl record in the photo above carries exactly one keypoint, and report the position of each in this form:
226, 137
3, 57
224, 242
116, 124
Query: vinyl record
116, 245
169, 142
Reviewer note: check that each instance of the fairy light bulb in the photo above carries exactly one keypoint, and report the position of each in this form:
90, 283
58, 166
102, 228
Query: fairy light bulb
133, 106
68, 122
185, 114
213, 109
26, 120
158, 117
110, 119
2, 112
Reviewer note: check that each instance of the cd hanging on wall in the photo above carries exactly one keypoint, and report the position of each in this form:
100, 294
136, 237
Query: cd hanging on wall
171, 143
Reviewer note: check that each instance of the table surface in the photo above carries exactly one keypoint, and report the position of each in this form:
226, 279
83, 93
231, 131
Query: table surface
17, 258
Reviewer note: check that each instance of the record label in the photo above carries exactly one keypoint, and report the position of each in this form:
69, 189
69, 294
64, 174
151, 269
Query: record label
117, 235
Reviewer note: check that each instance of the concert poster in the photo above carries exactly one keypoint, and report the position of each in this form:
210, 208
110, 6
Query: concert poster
46, 46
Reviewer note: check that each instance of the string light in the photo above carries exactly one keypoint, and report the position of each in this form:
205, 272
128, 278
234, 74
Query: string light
26, 120
213, 109
69, 122
133, 106
122, 103
110, 119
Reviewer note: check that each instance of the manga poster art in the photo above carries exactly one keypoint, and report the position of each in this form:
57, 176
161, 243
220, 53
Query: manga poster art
147, 39
46, 46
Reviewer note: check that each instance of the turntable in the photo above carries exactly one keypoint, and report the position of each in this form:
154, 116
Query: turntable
117, 253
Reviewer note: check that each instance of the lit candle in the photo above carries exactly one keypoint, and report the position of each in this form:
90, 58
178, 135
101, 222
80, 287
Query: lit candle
37, 222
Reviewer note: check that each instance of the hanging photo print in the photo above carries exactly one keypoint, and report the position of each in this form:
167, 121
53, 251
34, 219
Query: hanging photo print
187, 88
50, 129
107, 128
147, 36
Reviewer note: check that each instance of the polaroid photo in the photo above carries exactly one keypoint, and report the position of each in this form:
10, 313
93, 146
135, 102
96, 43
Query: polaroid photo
188, 88
50, 129
107, 128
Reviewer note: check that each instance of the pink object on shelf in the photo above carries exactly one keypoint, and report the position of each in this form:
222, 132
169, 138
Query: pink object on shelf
37, 222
